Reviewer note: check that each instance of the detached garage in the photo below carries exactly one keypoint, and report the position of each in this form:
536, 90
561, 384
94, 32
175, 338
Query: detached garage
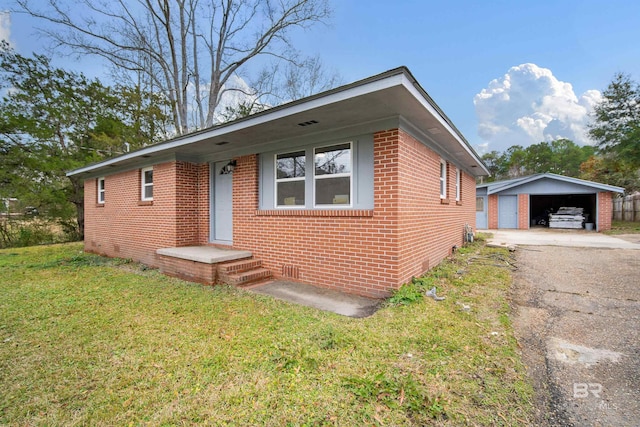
526, 201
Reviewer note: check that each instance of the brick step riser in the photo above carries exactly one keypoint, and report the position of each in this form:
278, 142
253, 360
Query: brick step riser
245, 278
239, 267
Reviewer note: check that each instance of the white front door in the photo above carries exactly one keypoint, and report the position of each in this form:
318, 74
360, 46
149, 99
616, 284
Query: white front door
222, 205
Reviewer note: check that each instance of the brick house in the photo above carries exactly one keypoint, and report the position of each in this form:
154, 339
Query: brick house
516, 203
389, 188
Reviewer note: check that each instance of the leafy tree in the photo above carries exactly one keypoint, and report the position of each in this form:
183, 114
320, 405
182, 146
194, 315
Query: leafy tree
185, 49
616, 124
561, 156
515, 159
611, 170
493, 160
51, 121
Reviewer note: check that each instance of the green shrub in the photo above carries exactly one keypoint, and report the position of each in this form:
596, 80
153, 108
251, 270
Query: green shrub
407, 294
32, 232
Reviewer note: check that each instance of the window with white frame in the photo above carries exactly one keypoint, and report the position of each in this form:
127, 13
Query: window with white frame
290, 179
146, 176
443, 179
100, 190
337, 174
458, 179
332, 177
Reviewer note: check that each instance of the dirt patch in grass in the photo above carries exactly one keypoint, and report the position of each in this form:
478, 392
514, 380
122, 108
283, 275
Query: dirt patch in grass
87, 340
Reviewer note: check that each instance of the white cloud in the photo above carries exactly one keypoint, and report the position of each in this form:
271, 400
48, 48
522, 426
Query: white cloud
238, 91
529, 105
5, 26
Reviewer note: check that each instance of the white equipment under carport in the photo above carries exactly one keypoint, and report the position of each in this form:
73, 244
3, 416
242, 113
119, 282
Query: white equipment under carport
567, 217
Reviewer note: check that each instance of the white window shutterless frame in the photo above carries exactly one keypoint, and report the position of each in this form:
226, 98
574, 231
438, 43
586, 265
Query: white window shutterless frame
277, 177
101, 190
146, 178
333, 166
443, 179
290, 179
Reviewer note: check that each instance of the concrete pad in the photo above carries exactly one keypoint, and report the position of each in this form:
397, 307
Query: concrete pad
204, 254
320, 298
566, 238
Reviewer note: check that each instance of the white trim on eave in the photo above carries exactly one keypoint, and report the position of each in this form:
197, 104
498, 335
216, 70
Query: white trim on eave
506, 185
269, 115
412, 87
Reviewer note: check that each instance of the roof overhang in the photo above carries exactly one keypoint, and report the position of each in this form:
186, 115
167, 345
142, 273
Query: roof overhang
498, 187
394, 94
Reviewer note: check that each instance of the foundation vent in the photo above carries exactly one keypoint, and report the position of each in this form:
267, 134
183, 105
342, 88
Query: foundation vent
291, 271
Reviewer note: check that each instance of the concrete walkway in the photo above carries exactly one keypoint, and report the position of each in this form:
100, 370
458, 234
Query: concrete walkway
320, 298
567, 238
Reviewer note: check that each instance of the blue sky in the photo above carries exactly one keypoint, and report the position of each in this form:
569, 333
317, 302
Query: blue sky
456, 48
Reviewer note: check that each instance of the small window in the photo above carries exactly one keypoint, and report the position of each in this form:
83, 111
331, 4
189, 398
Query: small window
332, 177
147, 183
458, 176
479, 204
443, 179
100, 190
290, 178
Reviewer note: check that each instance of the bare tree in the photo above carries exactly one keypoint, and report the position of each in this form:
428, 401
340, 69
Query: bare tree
188, 49
309, 78
277, 84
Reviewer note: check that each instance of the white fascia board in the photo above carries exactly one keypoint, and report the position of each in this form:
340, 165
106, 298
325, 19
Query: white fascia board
278, 113
526, 180
410, 85
579, 181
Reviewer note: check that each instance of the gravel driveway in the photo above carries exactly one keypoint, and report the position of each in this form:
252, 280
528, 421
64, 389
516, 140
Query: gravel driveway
576, 313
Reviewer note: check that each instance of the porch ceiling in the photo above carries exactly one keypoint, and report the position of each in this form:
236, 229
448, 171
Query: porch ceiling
390, 95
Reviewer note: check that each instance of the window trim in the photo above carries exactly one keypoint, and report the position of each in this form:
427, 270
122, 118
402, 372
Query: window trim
458, 184
311, 177
443, 179
100, 191
337, 175
144, 184
277, 180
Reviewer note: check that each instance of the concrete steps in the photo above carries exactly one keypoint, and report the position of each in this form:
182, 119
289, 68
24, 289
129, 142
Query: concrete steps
243, 272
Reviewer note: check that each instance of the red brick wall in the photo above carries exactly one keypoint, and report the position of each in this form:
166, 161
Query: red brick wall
192, 204
356, 251
128, 228
605, 211
493, 211
368, 252
523, 211
428, 227
364, 252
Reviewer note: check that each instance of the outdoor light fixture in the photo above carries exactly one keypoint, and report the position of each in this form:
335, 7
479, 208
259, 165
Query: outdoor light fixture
228, 168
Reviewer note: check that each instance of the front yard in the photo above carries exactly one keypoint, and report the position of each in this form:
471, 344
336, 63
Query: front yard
92, 341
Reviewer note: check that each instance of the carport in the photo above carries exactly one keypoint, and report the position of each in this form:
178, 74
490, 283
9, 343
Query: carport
520, 203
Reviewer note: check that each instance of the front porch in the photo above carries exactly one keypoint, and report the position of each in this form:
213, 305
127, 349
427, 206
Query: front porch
212, 265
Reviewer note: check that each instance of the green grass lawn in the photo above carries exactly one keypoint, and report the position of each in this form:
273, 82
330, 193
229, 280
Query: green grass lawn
624, 227
86, 340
